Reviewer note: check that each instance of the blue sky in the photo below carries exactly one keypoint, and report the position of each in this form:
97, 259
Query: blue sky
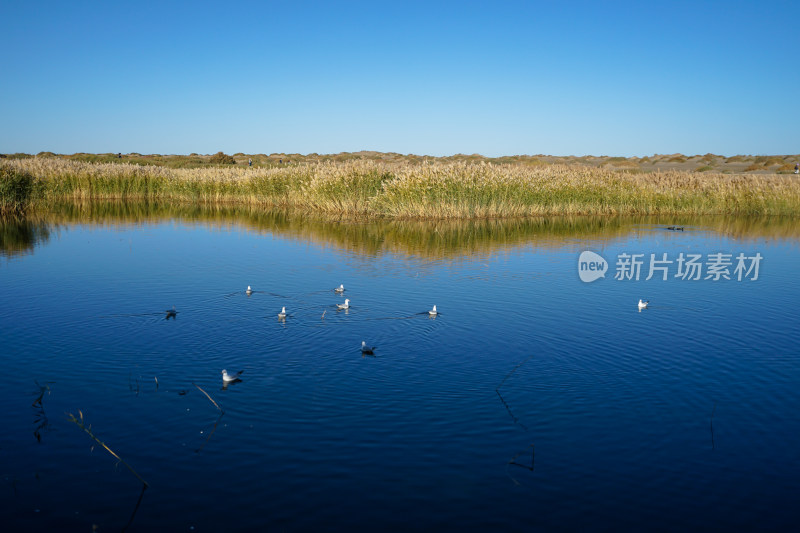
436, 78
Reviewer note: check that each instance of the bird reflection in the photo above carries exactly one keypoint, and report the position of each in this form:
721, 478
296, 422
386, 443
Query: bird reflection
226, 384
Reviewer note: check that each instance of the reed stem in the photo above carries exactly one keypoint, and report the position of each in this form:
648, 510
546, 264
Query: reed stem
78, 421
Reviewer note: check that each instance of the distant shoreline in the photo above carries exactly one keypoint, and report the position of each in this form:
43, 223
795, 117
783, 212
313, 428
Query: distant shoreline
737, 164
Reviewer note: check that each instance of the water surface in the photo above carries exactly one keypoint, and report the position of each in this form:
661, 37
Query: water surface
533, 401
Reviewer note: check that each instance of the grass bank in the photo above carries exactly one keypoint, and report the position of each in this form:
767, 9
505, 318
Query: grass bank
438, 190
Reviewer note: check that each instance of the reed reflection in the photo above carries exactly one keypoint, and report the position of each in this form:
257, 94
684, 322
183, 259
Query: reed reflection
425, 239
20, 236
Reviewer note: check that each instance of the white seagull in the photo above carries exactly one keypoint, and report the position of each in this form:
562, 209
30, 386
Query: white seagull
345, 305
643, 305
282, 314
249, 291
227, 378
433, 312
367, 350
340, 288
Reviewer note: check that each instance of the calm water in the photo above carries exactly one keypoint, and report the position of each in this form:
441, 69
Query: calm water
534, 401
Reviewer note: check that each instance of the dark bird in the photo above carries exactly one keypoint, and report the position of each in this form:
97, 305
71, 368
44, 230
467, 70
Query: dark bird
367, 350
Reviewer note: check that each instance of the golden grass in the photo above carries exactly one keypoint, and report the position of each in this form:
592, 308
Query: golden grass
435, 190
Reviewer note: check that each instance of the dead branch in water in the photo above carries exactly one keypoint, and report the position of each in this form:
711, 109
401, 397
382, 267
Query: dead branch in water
513, 461
88, 429
712, 425
41, 419
209, 397
221, 414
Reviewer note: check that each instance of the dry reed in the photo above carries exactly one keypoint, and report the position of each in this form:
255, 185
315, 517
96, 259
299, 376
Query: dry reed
438, 190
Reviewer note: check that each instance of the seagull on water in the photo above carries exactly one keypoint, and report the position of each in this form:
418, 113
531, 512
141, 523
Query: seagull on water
433, 312
643, 305
249, 291
367, 350
345, 305
340, 288
282, 314
227, 378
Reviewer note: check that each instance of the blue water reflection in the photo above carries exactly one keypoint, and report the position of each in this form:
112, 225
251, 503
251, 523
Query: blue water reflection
532, 401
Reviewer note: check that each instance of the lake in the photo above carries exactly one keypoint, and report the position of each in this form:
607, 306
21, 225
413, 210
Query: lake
532, 401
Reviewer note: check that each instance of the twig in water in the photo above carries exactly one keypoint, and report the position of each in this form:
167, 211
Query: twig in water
508, 408
130, 385
156, 378
712, 425
209, 397
323, 313
514, 370
42, 424
513, 461
42, 390
41, 417
135, 509
88, 429
497, 390
533, 457
221, 414
198, 450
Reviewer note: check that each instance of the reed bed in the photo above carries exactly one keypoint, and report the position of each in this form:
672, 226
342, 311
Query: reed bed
437, 190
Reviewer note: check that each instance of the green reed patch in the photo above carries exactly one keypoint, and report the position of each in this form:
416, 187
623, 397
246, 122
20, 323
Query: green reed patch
18, 189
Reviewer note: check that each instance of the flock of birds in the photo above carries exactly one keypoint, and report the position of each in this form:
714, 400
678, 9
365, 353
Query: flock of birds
365, 348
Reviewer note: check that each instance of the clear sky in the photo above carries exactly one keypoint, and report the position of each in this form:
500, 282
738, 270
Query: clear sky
619, 78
